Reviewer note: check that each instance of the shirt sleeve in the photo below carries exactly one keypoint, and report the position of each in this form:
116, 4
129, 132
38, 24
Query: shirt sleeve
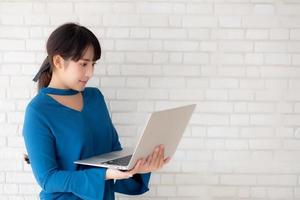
138, 184
87, 184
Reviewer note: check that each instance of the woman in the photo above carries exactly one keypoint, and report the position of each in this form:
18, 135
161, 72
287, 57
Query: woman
67, 121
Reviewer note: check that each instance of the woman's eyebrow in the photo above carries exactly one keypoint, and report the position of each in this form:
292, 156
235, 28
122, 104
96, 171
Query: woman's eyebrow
85, 59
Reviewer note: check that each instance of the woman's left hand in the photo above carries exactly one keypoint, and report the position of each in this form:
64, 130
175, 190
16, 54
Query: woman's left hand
153, 162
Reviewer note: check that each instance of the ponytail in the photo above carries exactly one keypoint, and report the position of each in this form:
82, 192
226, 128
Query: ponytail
44, 74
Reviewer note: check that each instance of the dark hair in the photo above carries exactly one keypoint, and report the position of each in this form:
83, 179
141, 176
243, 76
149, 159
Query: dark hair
70, 41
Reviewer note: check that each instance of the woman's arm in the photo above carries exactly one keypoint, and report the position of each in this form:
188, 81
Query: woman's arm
40, 145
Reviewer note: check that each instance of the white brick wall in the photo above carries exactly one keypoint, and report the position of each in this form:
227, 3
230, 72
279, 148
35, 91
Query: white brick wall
239, 60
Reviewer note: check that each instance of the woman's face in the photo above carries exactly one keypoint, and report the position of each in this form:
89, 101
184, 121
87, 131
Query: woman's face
77, 73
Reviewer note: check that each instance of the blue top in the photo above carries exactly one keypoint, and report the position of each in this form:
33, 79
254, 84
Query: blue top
56, 135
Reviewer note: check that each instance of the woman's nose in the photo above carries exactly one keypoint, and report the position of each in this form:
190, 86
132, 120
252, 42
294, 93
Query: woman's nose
90, 71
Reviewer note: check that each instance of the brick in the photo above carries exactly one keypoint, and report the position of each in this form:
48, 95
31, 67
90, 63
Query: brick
230, 22
138, 57
195, 58
92, 8
279, 34
258, 192
227, 34
295, 34
264, 119
141, 70
239, 119
216, 94
35, 45
236, 46
192, 191
117, 33
260, 22
223, 191
154, 7
203, 22
63, 8
154, 21
224, 83
232, 155
15, 7
288, 9
276, 192
238, 179
156, 94
233, 9
232, 72
10, 69
191, 144
19, 57
181, 45
294, 46
265, 144
112, 82
14, 32
186, 94
236, 144
123, 7
128, 45
166, 191
222, 132
270, 47
120, 21
17, 177
40, 19
257, 34
289, 119
252, 84
167, 82
210, 119
139, 33
114, 57
264, 9
168, 33
196, 8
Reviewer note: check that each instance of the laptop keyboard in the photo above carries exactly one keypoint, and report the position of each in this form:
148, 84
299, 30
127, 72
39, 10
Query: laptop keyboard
124, 161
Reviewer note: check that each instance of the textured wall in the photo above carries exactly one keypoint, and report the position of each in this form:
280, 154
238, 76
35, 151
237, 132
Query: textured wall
237, 59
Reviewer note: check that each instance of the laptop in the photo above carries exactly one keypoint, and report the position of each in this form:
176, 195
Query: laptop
164, 127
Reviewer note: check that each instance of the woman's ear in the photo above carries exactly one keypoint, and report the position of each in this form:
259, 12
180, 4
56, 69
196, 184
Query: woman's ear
58, 62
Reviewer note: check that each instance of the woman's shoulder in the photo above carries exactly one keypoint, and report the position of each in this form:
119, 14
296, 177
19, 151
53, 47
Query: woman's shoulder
93, 91
37, 103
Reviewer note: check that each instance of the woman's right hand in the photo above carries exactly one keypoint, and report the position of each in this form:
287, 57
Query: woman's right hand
117, 174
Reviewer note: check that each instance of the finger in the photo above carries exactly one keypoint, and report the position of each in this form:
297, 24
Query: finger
154, 157
154, 163
149, 161
136, 167
159, 157
161, 160
167, 160
126, 175
116, 174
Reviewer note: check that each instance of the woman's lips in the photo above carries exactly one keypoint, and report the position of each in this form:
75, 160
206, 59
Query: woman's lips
84, 82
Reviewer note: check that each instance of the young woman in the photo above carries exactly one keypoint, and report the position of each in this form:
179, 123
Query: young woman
67, 121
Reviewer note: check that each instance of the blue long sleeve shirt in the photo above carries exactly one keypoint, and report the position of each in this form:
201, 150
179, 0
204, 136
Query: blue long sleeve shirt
56, 135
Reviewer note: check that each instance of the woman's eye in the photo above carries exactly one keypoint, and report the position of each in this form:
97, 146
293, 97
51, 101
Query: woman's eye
83, 64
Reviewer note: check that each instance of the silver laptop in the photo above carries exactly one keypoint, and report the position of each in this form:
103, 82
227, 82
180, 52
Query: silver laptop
163, 127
